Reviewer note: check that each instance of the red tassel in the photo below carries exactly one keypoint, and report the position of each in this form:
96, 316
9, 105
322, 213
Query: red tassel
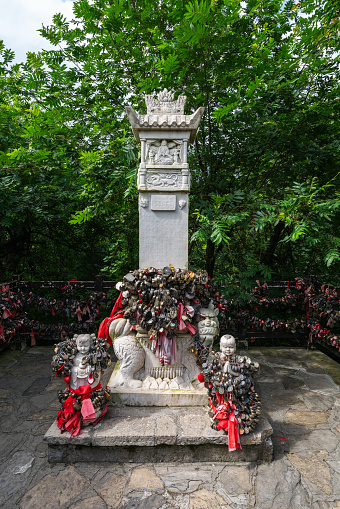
219, 398
227, 421
233, 435
191, 328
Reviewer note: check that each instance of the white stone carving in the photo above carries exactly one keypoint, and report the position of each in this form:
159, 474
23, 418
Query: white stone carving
152, 152
164, 179
140, 369
129, 353
182, 204
176, 154
143, 202
165, 103
163, 152
81, 369
165, 133
208, 326
163, 155
164, 113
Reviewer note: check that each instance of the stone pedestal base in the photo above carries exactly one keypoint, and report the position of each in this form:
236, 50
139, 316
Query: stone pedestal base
161, 385
149, 397
154, 434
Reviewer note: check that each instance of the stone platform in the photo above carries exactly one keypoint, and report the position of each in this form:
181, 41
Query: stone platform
157, 434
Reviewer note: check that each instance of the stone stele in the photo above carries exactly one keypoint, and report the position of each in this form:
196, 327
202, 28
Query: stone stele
164, 178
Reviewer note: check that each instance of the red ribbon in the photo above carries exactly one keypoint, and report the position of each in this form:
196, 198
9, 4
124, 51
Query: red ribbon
68, 419
180, 322
68, 284
33, 341
165, 348
224, 413
2, 335
117, 306
7, 314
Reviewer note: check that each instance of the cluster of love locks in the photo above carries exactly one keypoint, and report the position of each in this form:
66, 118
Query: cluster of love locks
65, 317
318, 305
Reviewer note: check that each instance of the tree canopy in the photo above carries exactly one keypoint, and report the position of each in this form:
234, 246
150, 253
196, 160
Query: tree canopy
265, 165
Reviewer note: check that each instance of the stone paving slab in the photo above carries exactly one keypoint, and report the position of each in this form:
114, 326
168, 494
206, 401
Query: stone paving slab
305, 473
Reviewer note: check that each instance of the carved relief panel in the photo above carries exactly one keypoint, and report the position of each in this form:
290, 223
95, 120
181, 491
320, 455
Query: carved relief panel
163, 180
152, 179
163, 152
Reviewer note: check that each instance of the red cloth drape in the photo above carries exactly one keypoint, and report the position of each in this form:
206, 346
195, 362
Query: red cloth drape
103, 331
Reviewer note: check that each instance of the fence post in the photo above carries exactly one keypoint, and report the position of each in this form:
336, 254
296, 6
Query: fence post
98, 284
241, 331
15, 279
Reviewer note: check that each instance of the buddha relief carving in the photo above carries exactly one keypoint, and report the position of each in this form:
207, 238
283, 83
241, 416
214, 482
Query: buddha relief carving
163, 152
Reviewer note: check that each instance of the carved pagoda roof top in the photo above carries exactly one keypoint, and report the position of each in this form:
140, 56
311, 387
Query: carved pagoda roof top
165, 103
165, 113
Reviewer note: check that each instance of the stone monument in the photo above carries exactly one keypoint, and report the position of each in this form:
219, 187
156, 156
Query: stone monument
164, 178
162, 306
148, 371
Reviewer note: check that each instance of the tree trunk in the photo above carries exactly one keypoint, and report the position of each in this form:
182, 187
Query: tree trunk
268, 257
210, 258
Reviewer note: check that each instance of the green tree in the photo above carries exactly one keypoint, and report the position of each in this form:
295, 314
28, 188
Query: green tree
39, 190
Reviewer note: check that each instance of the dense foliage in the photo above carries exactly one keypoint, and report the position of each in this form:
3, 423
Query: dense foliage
265, 195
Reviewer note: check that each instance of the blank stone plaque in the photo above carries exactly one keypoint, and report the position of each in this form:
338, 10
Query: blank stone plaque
163, 202
163, 230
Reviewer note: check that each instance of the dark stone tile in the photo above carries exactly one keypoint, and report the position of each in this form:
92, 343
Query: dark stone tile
290, 382
38, 386
147, 503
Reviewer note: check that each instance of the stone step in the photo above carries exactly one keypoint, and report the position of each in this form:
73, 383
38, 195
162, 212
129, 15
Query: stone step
157, 434
156, 397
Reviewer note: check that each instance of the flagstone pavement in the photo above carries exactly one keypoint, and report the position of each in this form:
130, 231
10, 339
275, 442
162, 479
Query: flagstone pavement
300, 393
